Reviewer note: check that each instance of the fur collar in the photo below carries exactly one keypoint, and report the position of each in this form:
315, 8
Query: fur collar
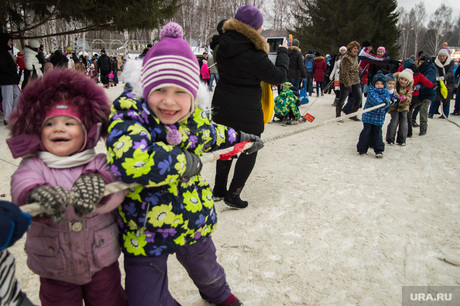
295, 48
319, 58
248, 31
441, 65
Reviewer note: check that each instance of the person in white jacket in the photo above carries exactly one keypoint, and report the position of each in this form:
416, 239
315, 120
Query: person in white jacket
335, 74
33, 66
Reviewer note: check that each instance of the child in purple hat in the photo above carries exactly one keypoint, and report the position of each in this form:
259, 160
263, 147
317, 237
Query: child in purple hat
157, 131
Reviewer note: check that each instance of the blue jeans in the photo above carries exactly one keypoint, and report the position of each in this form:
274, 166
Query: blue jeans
435, 106
371, 134
9, 95
357, 95
295, 85
309, 82
146, 280
211, 81
318, 86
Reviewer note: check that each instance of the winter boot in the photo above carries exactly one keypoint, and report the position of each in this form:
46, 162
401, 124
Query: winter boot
338, 111
232, 198
335, 102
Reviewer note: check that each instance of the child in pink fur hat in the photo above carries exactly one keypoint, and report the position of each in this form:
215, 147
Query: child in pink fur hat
74, 246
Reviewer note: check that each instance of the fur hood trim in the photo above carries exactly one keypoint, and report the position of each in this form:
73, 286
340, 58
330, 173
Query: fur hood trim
132, 74
248, 31
56, 86
319, 58
438, 63
295, 48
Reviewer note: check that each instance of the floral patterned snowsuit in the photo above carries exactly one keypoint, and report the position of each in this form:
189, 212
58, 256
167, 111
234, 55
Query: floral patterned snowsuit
165, 211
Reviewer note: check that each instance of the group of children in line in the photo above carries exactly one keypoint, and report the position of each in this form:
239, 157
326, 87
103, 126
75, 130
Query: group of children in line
393, 93
156, 131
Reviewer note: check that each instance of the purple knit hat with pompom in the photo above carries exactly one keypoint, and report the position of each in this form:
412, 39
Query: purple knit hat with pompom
170, 62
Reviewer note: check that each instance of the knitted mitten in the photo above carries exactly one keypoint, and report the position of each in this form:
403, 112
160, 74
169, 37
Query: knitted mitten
86, 193
53, 200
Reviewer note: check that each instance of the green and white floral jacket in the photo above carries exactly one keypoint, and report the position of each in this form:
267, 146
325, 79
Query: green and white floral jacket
165, 211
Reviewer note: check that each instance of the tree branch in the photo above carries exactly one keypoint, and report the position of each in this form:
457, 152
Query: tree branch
74, 31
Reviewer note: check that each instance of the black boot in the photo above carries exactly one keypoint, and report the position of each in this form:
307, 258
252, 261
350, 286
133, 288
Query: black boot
422, 132
232, 198
335, 102
338, 111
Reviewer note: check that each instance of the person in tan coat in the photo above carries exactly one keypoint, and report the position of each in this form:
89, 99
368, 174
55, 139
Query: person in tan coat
349, 79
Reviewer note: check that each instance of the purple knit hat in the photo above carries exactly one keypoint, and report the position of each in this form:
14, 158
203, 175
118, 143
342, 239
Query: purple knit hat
170, 62
250, 15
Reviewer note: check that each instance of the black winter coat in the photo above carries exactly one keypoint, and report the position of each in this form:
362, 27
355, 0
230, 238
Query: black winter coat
103, 64
8, 70
243, 62
296, 66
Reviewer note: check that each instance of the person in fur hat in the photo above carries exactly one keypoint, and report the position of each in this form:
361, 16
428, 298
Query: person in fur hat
157, 131
399, 119
371, 133
243, 63
55, 127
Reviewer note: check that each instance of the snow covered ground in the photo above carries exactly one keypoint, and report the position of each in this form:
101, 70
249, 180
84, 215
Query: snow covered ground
324, 225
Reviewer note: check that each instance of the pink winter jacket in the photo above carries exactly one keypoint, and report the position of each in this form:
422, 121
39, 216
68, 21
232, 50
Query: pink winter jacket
75, 249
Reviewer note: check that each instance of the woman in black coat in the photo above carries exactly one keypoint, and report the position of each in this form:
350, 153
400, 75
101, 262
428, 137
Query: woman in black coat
242, 57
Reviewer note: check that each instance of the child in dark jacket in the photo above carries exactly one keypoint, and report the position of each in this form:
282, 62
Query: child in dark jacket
157, 132
373, 120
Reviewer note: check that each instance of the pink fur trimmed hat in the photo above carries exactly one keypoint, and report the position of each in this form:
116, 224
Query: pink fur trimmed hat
40, 97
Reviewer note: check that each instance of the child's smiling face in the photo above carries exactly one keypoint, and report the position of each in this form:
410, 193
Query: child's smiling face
403, 82
170, 104
391, 85
62, 135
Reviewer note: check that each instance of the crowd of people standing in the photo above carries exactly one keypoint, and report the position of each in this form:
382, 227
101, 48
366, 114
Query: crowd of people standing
425, 84
18, 70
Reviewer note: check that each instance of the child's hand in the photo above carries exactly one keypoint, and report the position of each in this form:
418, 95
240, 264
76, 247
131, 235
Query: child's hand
193, 165
86, 193
395, 101
53, 200
257, 143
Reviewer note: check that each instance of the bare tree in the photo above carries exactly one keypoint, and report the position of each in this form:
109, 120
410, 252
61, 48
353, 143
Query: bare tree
417, 17
440, 27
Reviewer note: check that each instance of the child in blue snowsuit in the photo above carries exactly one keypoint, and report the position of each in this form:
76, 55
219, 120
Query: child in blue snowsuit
373, 120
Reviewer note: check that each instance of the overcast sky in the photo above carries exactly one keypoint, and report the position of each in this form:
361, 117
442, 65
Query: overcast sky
432, 5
